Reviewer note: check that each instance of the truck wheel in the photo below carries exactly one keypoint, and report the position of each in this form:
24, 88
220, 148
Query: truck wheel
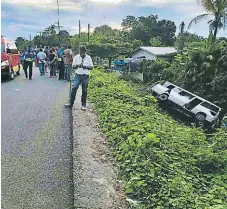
201, 117
163, 97
11, 74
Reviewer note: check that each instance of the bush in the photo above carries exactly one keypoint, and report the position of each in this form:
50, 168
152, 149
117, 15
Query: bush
164, 163
153, 69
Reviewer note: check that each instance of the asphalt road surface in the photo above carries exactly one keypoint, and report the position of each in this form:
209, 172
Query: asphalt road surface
36, 144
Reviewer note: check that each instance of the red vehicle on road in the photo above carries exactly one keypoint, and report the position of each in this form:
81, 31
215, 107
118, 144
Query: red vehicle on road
10, 58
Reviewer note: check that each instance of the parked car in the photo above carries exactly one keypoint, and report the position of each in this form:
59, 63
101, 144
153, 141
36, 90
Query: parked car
204, 112
10, 58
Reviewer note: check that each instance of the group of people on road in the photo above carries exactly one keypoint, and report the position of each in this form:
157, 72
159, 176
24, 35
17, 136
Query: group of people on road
56, 59
63, 61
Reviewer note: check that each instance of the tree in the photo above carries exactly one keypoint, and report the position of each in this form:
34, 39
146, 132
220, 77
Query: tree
145, 28
166, 29
64, 33
128, 22
64, 37
156, 42
110, 47
183, 39
218, 10
104, 30
49, 36
20, 42
76, 41
37, 40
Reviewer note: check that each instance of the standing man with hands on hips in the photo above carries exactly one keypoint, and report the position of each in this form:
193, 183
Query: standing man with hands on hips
83, 64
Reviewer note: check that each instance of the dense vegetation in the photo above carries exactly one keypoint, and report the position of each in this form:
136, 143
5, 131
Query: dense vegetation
164, 164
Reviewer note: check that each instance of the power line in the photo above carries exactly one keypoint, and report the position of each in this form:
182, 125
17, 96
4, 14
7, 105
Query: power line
85, 7
105, 14
88, 32
102, 15
58, 23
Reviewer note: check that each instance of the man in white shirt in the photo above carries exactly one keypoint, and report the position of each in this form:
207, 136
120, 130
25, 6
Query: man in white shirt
41, 56
83, 64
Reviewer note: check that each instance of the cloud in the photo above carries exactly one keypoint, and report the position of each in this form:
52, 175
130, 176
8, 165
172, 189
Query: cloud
30, 17
109, 2
47, 4
18, 26
160, 3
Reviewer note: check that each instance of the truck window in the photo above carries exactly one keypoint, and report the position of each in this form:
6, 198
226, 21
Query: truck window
13, 51
2, 48
170, 87
186, 94
210, 107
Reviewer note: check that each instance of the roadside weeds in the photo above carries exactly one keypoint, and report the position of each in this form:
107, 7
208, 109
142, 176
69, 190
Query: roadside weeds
96, 184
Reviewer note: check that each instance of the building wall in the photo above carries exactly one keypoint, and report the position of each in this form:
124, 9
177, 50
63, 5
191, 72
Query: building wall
140, 53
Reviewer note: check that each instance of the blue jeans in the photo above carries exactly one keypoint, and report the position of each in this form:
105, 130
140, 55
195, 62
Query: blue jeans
68, 70
41, 68
83, 80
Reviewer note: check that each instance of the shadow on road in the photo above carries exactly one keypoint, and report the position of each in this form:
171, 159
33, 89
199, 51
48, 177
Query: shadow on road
4, 79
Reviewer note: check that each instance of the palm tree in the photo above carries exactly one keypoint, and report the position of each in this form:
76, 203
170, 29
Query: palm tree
181, 36
181, 27
217, 9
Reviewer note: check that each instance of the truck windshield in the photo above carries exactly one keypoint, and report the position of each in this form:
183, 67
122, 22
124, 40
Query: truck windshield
2, 48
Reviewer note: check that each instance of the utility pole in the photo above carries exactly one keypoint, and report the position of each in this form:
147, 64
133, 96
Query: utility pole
58, 17
30, 39
88, 33
79, 28
25, 41
58, 23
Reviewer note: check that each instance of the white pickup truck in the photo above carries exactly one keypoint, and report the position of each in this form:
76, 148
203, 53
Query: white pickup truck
203, 111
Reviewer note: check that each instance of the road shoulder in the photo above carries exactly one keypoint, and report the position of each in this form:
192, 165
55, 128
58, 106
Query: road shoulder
95, 177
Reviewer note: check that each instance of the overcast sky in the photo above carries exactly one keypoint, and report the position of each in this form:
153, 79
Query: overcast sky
24, 17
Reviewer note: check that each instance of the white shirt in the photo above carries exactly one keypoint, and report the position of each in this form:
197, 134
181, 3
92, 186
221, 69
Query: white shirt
41, 56
87, 61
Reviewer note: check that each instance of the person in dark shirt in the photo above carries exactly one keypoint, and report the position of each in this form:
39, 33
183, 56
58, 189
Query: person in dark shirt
52, 59
61, 65
28, 57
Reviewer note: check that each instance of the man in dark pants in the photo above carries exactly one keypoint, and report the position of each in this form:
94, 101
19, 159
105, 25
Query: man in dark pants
61, 65
83, 64
28, 57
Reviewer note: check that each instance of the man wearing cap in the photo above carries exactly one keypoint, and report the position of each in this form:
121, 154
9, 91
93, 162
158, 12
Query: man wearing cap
83, 64
28, 57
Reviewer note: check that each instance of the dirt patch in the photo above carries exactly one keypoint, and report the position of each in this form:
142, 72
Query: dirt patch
95, 176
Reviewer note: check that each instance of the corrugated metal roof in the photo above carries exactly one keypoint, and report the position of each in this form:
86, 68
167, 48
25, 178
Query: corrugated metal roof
159, 50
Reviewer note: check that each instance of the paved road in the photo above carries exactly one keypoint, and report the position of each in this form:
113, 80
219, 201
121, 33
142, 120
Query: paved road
36, 144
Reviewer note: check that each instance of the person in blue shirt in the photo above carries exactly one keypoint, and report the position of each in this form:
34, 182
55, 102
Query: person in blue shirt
27, 58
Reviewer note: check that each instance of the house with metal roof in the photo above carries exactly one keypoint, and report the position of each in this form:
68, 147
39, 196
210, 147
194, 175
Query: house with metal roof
152, 53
